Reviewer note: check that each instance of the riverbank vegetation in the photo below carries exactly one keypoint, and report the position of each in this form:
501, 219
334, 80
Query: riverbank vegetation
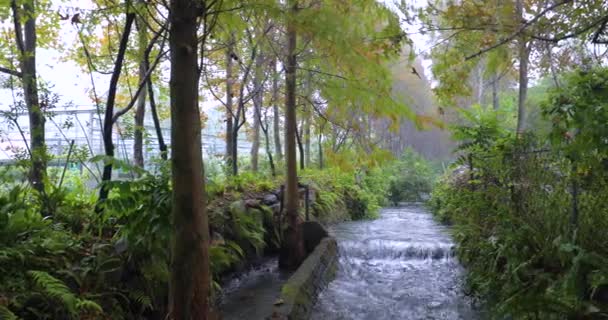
528, 212
78, 264
525, 195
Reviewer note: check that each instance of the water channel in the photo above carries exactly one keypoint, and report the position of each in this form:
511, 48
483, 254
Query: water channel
400, 266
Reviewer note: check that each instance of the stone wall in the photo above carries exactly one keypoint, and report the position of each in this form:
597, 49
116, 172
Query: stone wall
300, 293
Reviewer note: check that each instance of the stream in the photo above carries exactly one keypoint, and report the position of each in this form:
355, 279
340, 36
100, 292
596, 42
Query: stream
400, 266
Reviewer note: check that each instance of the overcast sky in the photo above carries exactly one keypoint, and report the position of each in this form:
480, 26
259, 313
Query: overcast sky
70, 82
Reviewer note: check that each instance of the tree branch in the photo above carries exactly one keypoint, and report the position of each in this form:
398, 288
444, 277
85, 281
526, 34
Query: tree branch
141, 86
11, 72
603, 20
519, 31
18, 28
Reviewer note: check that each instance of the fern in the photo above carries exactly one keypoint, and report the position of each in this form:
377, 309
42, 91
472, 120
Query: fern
6, 314
142, 299
88, 306
58, 291
55, 289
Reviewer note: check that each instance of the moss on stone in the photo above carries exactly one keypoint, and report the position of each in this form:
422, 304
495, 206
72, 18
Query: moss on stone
301, 290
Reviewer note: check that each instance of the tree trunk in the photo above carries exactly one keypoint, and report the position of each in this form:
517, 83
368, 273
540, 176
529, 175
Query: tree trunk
524, 55
320, 141
495, 83
190, 277
265, 128
300, 145
258, 99
307, 143
273, 170
235, 149
276, 116
480, 84
108, 123
26, 39
140, 111
292, 251
159, 131
305, 134
229, 106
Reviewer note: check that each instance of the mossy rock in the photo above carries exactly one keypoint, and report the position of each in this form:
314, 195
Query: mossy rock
247, 226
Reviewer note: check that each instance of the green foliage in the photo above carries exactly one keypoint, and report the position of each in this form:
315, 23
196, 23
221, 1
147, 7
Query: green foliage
411, 178
57, 291
345, 194
579, 113
534, 249
223, 257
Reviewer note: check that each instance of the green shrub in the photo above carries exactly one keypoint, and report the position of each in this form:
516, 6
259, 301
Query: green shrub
410, 178
534, 248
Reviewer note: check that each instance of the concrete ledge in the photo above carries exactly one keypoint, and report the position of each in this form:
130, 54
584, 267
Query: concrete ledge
300, 292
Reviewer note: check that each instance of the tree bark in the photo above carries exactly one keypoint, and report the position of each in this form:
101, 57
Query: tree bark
229, 106
26, 39
108, 122
292, 251
276, 116
190, 275
140, 111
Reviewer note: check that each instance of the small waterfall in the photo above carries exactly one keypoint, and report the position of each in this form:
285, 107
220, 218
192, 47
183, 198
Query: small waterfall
396, 250
400, 266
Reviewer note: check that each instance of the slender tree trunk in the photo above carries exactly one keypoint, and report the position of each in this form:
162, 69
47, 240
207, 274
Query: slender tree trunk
524, 55
305, 134
162, 147
273, 169
320, 141
495, 86
300, 145
140, 111
307, 143
480, 84
255, 145
159, 131
235, 148
257, 109
108, 123
276, 116
229, 106
265, 128
190, 275
26, 39
292, 251
554, 74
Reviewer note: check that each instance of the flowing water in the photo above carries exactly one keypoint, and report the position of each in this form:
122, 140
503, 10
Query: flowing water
400, 266
252, 295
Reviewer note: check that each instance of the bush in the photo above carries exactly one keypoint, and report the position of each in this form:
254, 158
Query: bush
411, 178
345, 194
530, 218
